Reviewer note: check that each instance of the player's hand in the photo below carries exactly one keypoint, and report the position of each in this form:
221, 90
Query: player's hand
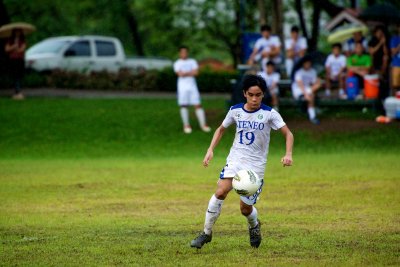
209, 155
287, 161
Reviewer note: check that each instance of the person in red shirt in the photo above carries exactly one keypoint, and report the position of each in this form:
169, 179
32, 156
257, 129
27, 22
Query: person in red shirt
15, 49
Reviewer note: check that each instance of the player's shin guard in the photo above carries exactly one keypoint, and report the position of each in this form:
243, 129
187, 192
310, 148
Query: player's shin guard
212, 214
252, 218
201, 116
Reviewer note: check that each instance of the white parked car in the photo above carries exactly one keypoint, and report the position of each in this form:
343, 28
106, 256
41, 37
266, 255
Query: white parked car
86, 54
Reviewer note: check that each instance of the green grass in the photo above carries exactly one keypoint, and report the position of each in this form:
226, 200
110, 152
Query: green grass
115, 182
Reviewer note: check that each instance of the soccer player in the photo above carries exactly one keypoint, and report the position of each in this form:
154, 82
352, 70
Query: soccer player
296, 47
266, 48
188, 94
305, 85
254, 122
272, 79
335, 66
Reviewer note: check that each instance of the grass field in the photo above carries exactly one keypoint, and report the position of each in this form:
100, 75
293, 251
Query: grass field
115, 182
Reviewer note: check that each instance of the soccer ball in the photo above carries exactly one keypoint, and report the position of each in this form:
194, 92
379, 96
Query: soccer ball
246, 182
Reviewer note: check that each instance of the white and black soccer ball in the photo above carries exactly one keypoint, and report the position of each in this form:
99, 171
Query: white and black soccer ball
246, 182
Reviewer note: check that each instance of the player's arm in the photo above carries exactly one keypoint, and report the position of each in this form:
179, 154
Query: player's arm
395, 50
316, 85
193, 72
287, 160
214, 142
252, 55
275, 51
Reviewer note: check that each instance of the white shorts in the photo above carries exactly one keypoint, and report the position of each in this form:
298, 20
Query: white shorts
188, 97
297, 93
230, 170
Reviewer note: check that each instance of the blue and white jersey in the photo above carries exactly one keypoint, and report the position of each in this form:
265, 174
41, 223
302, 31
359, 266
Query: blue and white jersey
250, 147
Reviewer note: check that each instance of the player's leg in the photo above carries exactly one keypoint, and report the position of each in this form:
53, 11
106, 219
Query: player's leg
328, 85
342, 83
213, 212
250, 212
311, 109
200, 114
183, 102
275, 98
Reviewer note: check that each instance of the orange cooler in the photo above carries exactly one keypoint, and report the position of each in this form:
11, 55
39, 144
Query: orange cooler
371, 86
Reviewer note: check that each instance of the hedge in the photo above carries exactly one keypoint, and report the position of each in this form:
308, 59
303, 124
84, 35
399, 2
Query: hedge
162, 80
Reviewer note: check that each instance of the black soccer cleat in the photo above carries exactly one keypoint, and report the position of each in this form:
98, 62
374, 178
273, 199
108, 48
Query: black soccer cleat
255, 235
199, 241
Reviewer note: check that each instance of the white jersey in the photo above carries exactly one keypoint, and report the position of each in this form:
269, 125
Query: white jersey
297, 46
186, 65
308, 77
335, 64
271, 79
251, 143
265, 45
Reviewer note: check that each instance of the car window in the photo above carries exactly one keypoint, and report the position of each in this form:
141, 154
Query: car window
105, 48
48, 46
79, 49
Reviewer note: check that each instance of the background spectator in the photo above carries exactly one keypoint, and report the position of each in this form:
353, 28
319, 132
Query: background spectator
305, 85
379, 51
349, 45
296, 47
272, 78
15, 49
266, 48
359, 64
395, 67
335, 66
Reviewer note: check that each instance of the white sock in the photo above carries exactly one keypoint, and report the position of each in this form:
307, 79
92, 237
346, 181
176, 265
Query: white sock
212, 214
311, 113
185, 116
201, 116
252, 218
341, 91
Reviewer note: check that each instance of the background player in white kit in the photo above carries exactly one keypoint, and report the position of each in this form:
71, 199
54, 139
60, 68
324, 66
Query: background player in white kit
254, 122
188, 93
272, 79
267, 48
305, 86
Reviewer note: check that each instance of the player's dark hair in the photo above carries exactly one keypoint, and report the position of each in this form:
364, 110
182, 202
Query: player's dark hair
306, 58
295, 29
265, 28
254, 80
270, 63
183, 47
338, 45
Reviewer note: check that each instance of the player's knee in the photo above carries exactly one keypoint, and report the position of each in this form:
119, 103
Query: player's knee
246, 210
221, 193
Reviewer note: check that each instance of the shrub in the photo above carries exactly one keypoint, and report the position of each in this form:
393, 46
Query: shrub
126, 80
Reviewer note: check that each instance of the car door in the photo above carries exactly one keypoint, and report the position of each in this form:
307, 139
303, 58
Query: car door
106, 56
78, 57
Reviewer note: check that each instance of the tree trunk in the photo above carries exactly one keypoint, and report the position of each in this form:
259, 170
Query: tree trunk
299, 10
261, 9
277, 18
133, 27
4, 19
313, 42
